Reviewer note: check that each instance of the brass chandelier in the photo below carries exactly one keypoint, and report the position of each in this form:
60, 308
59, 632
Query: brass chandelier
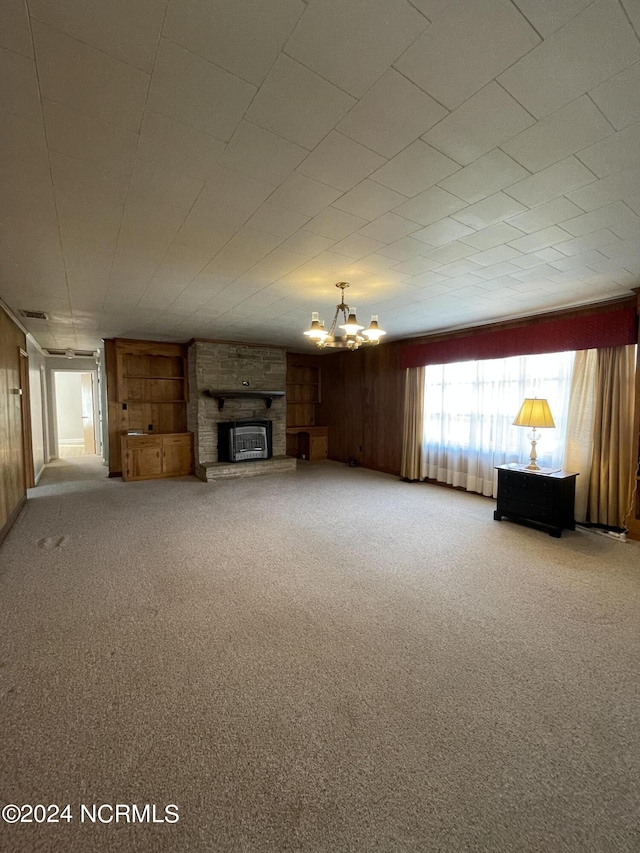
355, 335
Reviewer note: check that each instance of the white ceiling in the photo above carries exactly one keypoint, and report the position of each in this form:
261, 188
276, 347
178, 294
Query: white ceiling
179, 168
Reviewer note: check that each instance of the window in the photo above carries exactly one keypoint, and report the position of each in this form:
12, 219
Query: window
469, 412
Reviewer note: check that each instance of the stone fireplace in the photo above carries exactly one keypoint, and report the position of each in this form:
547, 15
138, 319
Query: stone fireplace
241, 370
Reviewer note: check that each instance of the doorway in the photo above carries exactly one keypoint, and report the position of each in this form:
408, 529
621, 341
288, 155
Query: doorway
75, 412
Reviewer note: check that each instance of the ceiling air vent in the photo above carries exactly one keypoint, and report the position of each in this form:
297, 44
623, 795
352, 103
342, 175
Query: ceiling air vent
35, 315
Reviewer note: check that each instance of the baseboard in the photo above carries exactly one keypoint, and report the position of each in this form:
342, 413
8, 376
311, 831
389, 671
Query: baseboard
40, 473
115, 473
4, 531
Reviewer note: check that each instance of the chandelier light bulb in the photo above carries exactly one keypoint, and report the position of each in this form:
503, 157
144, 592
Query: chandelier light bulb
374, 332
352, 327
316, 332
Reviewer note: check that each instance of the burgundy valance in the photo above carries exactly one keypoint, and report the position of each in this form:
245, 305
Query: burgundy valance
590, 331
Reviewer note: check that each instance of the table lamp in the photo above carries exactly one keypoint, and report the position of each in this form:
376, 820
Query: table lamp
536, 414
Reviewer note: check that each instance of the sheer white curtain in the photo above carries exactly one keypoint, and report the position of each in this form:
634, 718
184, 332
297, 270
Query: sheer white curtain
469, 408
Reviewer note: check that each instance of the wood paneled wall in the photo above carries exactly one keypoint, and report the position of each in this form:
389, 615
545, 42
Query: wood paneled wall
362, 404
12, 488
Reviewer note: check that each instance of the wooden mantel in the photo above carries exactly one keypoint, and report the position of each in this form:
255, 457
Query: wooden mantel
221, 396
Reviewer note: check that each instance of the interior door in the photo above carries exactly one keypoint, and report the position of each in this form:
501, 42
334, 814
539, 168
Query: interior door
25, 406
86, 384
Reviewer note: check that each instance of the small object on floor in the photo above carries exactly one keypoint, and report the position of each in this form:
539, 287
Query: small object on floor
50, 542
353, 462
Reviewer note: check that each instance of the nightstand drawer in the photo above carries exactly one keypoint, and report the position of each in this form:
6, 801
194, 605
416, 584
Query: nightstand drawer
535, 497
525, 509
531, 482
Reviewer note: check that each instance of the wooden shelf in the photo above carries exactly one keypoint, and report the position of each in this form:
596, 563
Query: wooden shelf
221, 396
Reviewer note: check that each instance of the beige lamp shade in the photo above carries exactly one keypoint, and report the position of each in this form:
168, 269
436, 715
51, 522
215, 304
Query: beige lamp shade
534, 413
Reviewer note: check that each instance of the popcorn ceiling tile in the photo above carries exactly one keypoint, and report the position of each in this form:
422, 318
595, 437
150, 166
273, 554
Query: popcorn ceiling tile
619, 186
340, 162
250, 40
546, 214
445, 231
465, 29
127, 31
614, 216
297, 104
614, 154
388, 228
602, 240
335, 224
415, 169
547, 16
15, 32
619, 97
485, 121
497, 255
539, 239
489, 211
261, 154
552, 182
452, 252
88, 80
392, 114
495, 235
168, 144
191, 90
404, 249
338, 41
486, 176
585, 52
430, 206
304, 195
369, 200
568, 130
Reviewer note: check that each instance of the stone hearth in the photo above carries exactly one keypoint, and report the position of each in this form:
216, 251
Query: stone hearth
218, 366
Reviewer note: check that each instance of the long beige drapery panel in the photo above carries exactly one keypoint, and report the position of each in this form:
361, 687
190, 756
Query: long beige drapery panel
411, 467
600, 434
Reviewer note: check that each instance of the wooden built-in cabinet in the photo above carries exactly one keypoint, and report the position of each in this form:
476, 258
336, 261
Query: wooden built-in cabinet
147, 457
147, 390
303, 393
310, 442
305, 439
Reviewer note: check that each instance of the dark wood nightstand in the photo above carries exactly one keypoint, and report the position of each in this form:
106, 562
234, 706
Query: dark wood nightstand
541, 500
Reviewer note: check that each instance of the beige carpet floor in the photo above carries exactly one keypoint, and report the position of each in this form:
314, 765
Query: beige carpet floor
328, 660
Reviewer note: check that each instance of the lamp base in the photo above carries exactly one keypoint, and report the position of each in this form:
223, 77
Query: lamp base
533, 465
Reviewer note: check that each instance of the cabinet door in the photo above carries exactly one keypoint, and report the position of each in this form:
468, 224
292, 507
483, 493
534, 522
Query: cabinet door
318, 447
143, 462
176, 460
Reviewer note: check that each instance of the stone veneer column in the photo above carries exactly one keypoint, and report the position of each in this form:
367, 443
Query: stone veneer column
224, 367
